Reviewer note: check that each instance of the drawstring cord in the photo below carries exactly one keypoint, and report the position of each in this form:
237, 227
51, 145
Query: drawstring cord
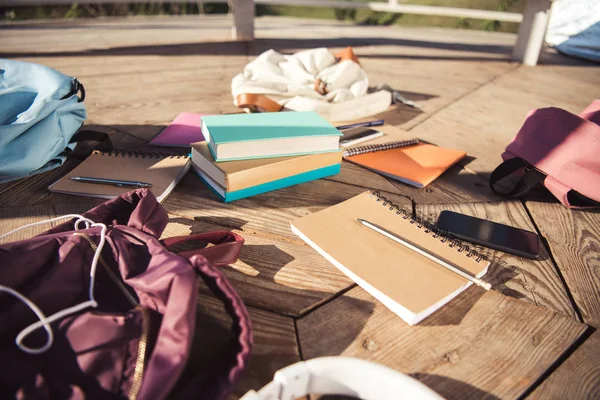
46, 321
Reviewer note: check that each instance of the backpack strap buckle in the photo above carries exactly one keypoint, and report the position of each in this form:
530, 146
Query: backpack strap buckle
76, 88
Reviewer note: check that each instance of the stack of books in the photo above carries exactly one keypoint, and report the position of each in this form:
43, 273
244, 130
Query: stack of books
248, 154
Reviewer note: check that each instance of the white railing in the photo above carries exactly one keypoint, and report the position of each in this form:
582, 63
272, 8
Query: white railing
534, 20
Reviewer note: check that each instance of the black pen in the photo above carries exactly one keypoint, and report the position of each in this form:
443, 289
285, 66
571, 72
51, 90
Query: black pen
113, 182
377, 122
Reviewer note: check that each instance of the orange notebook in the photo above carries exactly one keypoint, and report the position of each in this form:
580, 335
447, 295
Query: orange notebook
411, 162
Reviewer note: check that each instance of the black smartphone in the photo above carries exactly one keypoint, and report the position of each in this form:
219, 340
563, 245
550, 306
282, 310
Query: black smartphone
490, 234
358, 135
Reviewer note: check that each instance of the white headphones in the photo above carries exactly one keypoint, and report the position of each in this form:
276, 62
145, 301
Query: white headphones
342, 376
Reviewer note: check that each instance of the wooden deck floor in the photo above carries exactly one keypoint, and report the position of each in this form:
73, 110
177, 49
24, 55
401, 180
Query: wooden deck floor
533, 336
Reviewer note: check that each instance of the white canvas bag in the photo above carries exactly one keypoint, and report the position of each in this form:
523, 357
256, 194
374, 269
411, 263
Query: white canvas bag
334, 85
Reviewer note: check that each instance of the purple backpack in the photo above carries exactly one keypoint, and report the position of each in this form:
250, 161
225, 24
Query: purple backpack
559, 150
133, 334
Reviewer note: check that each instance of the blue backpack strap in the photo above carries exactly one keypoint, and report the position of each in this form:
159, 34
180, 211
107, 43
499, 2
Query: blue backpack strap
83, 135
90, 135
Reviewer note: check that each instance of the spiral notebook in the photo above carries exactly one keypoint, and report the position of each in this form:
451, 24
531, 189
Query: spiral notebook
404, 159
409, 284
162, 170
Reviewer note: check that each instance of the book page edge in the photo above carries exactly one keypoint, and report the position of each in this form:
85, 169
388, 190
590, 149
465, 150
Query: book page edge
405, 314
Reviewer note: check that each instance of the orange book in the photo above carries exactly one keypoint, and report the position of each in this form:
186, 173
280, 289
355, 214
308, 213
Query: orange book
416, 164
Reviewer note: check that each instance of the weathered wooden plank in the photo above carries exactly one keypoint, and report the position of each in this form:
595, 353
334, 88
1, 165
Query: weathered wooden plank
287, 278
433, 70
30, 190
275, 347
75, 208
268, 214
5, 187
418, 73
481, 344
454, 186
119, 36
574, 240
120, 61
123, 102
577, 378
34, 189
536, 281
353, 174
15, 217
484, 122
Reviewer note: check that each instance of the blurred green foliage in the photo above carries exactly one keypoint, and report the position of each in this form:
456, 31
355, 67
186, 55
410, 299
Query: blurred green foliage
359, 16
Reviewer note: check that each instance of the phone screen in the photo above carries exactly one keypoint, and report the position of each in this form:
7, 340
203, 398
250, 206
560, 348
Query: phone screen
357, 135
490, 234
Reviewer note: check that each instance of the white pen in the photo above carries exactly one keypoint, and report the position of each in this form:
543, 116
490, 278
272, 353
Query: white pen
415, 247
112, 182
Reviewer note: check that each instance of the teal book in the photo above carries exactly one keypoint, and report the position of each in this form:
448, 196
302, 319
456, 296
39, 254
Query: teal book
263, 135
228, 196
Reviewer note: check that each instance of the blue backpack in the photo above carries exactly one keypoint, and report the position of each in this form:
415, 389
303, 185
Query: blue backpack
40, 112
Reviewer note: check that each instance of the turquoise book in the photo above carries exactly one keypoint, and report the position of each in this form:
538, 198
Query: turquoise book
228, 196
263, 135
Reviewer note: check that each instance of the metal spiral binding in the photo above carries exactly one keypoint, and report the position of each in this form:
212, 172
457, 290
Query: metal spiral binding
136, 154
429, 227
380, 146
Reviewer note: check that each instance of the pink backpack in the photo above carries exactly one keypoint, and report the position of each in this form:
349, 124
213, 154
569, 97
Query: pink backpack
559, 150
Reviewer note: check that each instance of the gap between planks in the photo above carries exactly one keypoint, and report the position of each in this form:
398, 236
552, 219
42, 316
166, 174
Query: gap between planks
559, 361
267, 235
546, 244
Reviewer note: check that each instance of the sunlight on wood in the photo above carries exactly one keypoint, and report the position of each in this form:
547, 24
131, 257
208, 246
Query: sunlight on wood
176, 229
245, 269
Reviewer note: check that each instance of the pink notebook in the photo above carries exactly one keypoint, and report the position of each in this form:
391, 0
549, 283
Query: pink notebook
184, 130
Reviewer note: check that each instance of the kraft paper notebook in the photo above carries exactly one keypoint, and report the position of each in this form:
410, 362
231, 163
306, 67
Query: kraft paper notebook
404, 159
163, 171
409, 284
